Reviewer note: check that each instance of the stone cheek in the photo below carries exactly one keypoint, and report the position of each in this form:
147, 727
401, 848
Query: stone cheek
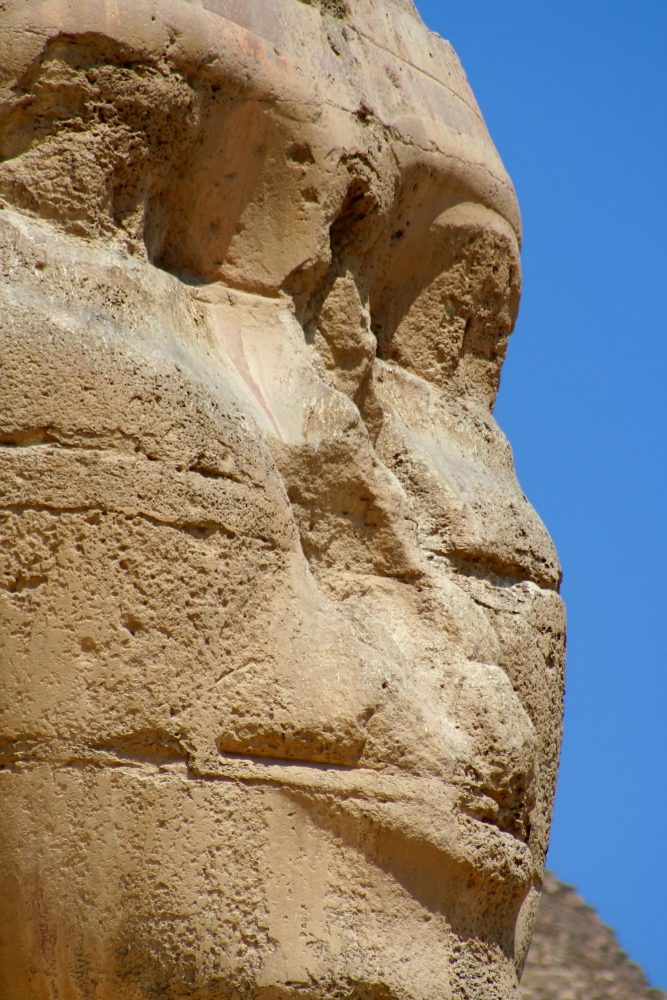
283, 650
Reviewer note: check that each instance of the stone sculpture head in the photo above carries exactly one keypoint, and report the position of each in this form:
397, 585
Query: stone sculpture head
283, 646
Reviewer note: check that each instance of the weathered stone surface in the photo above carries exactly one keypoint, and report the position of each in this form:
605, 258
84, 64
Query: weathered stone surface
283, 648
573, 956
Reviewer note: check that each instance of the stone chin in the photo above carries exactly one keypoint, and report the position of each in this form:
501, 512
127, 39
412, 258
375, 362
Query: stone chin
283, 651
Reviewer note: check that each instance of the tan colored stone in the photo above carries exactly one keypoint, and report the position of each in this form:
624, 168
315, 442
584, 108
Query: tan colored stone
283, 648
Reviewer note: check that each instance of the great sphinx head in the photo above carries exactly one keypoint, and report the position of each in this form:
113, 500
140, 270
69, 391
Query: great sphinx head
283, 648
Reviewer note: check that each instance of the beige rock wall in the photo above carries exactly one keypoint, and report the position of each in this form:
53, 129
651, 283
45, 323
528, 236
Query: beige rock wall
283, 647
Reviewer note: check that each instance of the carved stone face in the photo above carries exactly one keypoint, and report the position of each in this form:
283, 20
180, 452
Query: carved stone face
283, 651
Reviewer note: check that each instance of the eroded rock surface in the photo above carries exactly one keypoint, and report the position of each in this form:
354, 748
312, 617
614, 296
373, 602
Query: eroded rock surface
283, 646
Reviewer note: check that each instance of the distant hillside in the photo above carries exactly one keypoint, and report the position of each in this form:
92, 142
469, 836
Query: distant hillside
574, 956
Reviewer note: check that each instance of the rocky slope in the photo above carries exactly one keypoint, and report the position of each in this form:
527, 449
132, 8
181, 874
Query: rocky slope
574, 956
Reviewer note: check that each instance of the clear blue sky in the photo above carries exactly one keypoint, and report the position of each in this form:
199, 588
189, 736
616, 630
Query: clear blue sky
575, 97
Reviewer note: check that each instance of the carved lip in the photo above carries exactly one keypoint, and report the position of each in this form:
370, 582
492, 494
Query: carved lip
505, 804
478, 800
458, 818
462, 821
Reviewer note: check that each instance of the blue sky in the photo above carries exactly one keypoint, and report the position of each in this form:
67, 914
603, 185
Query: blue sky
575, 96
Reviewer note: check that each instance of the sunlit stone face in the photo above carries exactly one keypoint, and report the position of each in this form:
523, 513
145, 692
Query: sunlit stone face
283, 647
